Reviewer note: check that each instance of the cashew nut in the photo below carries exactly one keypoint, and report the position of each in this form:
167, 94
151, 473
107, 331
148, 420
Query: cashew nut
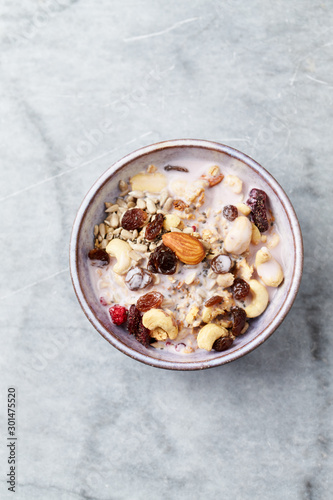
259, 299
239, 237
157, 318
121, 251
208, 334
263, 255
243, 209
159, 334
171, 220
268, 268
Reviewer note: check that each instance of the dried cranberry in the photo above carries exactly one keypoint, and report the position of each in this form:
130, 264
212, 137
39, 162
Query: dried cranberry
99, 257
240, 289
256, 196
118, 314
230, 212
257, 203
163, 260
238, 320
154, 228
222, 344
143, 335
134, 320
149, 301
134, 218
213, 301
138, 278
221, 264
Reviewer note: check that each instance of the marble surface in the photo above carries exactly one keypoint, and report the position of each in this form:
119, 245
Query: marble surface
93, 423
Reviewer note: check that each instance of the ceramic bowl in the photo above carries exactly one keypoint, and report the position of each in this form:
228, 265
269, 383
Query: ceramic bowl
185, 152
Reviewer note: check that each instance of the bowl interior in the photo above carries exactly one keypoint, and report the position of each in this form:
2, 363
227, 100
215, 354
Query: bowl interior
190, 154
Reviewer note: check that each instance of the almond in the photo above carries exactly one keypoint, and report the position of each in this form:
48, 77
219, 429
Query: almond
187, 248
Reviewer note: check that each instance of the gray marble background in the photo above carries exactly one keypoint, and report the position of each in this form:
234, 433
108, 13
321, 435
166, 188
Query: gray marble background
93, 423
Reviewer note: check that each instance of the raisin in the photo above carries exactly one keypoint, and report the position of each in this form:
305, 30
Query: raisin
213, 301
149, 301
137, 278
174, 167
240, 289
179, 205
256, 196
230, 212
238, 320
162, 260
166, 261
221, 264
134, 218
151, 267
133, 320
257, 203
99, 257
147, 279
134, 278
136, 328
222, 344
154, 228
